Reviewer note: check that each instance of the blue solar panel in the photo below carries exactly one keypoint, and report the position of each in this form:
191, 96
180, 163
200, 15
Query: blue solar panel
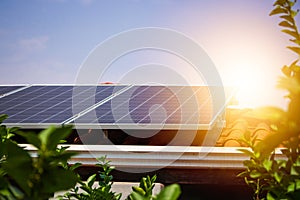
112, 107
154, 105
6, 89
51, 104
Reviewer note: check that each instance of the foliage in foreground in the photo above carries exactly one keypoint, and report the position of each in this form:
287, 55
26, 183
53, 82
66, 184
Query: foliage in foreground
101, 190
269, 177
89, 190
24, 176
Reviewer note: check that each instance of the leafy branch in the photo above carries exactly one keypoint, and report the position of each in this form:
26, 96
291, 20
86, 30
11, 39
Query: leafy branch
269, 177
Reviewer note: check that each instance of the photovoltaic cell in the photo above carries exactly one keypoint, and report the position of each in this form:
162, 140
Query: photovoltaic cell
6, 89
51, 104
154, 105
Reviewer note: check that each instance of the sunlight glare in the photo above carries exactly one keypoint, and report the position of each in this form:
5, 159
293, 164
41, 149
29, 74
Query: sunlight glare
250, 84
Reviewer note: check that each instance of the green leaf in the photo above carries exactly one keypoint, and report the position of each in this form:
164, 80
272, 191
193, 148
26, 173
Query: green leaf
18, 165
51, 137
295, 171
45, 134
247, 152
243, 174
294, 13
153, 179
291, 33
297, 163
286, 24
31, 138
3, 117
16, 192
278, 10
279, 3
270, 197
289, 83
139, 190
296, 41
137, 196
286, 71
291, 187
58, 179
75, 166
171, 192
297, 182
250, 163
13, 129
295, 49
255, 174
295, 67
267, 164
287, 18
91, 180
278, 177
291, 3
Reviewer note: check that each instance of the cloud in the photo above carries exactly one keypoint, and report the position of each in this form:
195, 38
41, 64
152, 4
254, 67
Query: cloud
33, 44
25, 48
46, 71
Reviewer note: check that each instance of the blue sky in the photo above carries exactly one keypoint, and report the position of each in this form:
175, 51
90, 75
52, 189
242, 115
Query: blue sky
46, 41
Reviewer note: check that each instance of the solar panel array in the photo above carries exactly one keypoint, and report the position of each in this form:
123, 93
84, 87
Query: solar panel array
109, 106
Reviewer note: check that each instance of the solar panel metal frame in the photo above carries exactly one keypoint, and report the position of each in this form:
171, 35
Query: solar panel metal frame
217, 120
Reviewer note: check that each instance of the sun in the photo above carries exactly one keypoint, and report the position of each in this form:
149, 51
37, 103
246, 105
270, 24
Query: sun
251, 85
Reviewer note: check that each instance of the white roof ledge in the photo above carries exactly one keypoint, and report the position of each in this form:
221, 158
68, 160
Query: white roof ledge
180, 157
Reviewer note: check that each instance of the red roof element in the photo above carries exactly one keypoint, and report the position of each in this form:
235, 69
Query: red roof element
107, 83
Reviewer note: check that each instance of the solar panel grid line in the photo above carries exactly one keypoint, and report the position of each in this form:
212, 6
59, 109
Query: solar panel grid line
119, 105
188, 126
11, 91
19, 100
196, 114
59, 112
222, 109
70, 98
140, 105
41, 111
70, 120
186, 100
106, 122
206, 107
20, 91
153, 110
136, 107
23, 102
40, 120
185, 110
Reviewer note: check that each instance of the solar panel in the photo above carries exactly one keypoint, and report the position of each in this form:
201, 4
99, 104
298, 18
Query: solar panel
7, 89
50, 104
113, 107
156, 107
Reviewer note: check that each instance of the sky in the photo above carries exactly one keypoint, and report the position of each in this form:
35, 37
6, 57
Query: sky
48, 41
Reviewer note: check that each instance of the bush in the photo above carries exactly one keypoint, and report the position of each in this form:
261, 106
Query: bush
37, 177
269, 177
